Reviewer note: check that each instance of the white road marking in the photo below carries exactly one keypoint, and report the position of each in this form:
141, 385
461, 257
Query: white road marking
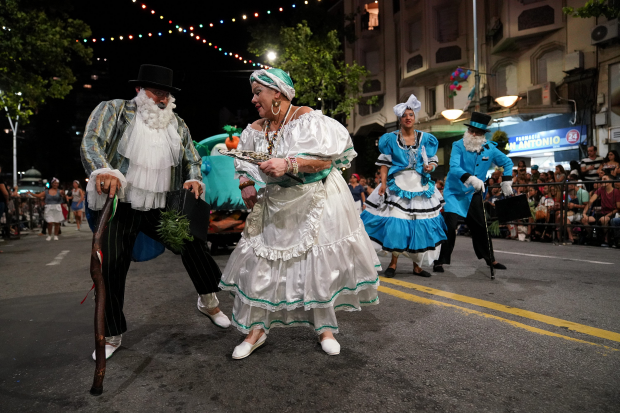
549, 256
59, 257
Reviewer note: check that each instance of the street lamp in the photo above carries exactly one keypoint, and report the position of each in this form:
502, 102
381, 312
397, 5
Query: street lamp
271, 56
452, 114
507, 101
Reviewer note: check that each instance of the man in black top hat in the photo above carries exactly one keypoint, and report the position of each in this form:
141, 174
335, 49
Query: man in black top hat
470, 159
140, 149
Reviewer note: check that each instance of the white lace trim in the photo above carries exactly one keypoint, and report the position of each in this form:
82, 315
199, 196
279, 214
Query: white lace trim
254, 237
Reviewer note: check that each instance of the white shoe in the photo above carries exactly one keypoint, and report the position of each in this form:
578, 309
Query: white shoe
219, 319
49, 238
111, 345
330, 346
245, 349
55, 238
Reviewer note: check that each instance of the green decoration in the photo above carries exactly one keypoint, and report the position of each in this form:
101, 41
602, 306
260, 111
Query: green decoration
232, 131
174, 230
113, 208
494, 229
501, 138
202, 150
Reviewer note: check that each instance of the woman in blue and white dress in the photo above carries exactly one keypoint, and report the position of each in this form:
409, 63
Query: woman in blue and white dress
403, 213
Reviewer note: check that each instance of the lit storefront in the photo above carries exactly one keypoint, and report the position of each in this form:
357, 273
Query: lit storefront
546, 141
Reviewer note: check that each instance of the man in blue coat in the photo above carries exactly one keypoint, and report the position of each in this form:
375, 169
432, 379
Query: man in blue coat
470, 160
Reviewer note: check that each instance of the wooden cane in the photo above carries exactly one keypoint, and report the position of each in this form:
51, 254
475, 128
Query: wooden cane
100, 296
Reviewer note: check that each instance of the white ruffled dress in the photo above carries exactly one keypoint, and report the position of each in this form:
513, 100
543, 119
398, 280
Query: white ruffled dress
304, 253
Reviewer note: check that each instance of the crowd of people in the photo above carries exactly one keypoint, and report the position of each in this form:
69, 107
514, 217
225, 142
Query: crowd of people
48, 210
573, 196
579, 201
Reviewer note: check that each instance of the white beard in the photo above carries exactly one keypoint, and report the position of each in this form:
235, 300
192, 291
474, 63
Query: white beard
473, 143
153, 116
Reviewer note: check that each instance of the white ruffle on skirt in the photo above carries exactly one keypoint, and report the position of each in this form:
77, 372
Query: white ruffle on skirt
53, 214
333, 267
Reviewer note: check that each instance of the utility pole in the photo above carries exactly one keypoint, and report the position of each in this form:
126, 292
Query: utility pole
476, 61
14, 129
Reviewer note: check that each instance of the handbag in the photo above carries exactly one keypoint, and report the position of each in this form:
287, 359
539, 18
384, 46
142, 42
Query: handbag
195, 210
512, 208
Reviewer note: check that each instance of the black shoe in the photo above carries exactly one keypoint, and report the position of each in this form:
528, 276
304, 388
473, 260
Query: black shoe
389, 273
423, 274
438, 268
497, 266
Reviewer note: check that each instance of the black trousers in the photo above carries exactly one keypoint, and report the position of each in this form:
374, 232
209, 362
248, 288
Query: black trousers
475, 222
117, 246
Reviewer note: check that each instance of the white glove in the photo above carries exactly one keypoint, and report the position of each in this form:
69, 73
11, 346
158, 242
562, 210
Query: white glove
507, 188
476, 183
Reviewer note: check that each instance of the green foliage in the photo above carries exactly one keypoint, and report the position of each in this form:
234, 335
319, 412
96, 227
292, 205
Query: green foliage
494, 229
232, 131
37, 45
593, 8
316, 65
502, 140
174, 230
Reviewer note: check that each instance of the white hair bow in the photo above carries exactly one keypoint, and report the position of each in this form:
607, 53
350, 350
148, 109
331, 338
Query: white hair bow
412, 103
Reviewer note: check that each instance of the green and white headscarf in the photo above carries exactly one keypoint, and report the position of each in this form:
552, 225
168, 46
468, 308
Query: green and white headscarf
276, 79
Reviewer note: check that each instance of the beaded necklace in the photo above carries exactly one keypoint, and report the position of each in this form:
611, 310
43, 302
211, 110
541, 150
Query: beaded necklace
273, 142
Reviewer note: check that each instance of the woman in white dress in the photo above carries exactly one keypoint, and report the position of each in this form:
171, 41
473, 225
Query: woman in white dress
304, 253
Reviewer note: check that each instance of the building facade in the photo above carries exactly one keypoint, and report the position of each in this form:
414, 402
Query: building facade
564, 70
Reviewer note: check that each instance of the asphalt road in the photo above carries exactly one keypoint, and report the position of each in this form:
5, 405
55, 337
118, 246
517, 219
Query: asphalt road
543, 337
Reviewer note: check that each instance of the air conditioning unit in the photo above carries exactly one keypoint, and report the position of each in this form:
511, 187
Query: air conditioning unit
604, 32
541, 95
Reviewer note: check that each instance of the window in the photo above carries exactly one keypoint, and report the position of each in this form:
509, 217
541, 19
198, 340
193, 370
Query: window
372, 63
549, 66
431, 101
506, 81
365, 110
447, 21
372, 14
614, 94
536, 17
414, 63
415, 35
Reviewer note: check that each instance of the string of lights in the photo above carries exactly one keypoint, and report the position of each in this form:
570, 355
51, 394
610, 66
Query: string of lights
179, 30
243, 17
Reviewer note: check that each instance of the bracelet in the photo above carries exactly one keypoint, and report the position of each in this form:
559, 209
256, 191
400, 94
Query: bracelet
288, 164
246, 184
295, 165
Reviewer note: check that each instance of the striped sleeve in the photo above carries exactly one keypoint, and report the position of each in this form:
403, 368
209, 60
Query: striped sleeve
191, 158
99, 130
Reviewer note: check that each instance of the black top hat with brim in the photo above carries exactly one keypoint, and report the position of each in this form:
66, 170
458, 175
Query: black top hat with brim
157, 77
479, 121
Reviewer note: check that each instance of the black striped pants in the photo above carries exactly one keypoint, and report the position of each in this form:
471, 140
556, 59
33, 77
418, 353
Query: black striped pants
117, 247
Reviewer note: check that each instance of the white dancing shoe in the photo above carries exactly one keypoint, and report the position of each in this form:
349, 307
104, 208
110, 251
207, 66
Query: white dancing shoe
111, 345
49, 238
330, 346
55, 238
210, 301
245, 349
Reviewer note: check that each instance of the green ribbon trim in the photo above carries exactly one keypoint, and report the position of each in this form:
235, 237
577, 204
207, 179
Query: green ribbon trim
236, 287
267, 327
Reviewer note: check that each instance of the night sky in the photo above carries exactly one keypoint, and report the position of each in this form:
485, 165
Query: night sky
209, 81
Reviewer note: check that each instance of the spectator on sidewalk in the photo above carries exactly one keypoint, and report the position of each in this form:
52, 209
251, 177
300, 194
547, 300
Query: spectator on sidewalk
575, 169
53, 211
610, 165
590, 165
610, 205
560, 173
76, 197
535, 174
615, 231
577, 199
